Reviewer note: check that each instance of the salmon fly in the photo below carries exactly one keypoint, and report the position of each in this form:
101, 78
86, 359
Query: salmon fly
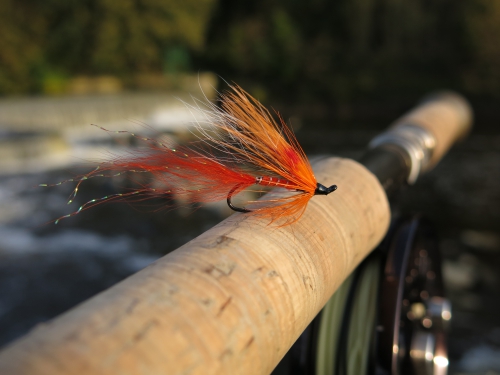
243, 148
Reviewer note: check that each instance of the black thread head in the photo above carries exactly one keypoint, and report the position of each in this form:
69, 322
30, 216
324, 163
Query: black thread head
323, 190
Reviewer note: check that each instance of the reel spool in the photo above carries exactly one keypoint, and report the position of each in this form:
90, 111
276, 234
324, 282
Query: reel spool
388, 318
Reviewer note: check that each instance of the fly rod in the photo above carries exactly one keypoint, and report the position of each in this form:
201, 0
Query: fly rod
234, 299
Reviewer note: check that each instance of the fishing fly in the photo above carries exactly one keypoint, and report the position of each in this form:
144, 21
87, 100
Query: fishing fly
242, 148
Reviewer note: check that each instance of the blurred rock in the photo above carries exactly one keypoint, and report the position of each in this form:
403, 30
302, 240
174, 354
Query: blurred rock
461, 274
481, 240
480, 359
494, 336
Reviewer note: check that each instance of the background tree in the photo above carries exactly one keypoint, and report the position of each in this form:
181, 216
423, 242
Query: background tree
300, 51
92, 37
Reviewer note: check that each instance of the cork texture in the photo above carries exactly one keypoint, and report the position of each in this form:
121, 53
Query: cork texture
231, 301
446, 120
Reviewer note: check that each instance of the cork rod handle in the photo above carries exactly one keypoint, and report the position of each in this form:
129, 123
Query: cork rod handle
447, 116
231, 301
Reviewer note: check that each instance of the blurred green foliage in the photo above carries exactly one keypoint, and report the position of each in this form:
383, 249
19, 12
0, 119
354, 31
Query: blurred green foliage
299, 49
44, 41
358, 48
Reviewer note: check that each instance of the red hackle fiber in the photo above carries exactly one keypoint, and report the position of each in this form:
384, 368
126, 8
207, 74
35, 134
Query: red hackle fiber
242, 146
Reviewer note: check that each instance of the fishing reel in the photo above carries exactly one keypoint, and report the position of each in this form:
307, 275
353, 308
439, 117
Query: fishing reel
388, 318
